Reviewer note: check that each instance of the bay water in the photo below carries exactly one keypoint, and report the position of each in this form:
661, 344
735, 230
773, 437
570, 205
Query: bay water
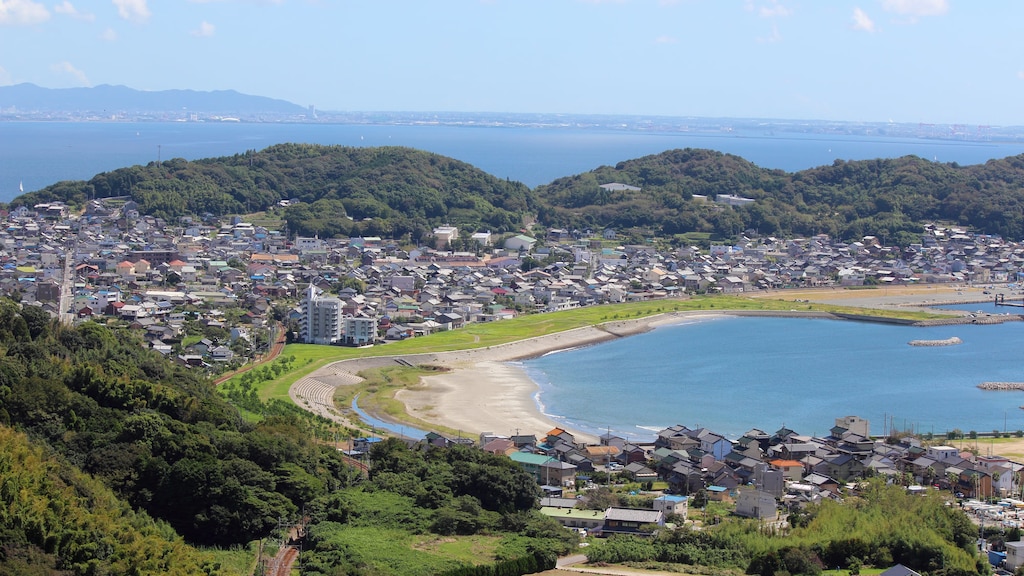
731, 374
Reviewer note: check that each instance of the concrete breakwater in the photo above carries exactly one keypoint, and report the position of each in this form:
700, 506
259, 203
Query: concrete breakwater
1001, 385
947, 342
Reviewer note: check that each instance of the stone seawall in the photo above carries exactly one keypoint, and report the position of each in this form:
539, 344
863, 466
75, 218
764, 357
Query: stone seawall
1001, 385
998, 319
947, 342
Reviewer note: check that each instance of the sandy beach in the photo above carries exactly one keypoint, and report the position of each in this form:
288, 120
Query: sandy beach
482, 392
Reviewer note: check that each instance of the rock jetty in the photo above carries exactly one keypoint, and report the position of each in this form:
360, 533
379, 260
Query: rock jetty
1002, 386
947, 342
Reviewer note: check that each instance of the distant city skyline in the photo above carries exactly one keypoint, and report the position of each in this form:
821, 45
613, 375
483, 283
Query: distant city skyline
907, 61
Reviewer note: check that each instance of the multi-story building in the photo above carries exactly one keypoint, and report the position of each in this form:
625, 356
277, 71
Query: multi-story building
321, 317
359, 330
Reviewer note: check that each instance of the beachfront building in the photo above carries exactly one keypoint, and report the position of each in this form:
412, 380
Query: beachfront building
532, 463
321, 317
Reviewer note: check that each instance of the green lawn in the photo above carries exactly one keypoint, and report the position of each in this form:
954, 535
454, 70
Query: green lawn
477, 549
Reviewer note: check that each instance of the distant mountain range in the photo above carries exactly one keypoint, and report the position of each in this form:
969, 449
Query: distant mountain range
108, 100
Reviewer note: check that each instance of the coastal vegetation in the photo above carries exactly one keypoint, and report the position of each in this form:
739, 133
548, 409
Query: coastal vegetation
402, 193
434, 511
882, 525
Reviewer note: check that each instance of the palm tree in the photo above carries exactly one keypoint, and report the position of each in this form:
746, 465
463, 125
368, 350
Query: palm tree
952, 478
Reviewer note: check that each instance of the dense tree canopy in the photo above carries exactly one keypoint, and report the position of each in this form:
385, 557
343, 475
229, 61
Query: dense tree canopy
891, 199
403, 193
157, 434
380, 191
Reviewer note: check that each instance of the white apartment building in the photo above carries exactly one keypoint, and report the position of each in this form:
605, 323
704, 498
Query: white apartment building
321, 318
359, 330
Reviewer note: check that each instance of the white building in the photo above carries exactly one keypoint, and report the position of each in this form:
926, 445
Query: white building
855, 424
321, 318
359, 330
756, 504
1014, 555
940, 453
444, 236
482, 238
520, 242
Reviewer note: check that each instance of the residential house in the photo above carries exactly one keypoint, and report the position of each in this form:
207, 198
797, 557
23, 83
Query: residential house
672, 504
757, 504
630, 521
532, 463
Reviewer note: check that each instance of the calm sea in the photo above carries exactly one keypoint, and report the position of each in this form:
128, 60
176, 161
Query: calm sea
37, 154
731, 374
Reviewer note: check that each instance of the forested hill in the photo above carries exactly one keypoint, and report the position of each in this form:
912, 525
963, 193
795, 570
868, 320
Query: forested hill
887, 198
156, 434
343, 190
401, 192
115, 461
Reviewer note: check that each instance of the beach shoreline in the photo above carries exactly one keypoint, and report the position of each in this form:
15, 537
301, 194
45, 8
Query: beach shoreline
482, 391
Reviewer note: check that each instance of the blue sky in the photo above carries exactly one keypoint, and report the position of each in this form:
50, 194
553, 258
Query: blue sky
932, 61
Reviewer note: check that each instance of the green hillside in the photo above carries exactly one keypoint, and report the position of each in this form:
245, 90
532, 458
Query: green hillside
56, 520
343, 190
404, 193
891, 199
158, 435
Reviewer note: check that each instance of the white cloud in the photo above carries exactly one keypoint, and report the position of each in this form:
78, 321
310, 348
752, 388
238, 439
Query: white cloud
916, 8
68, 9
22, 12
66, 67
1020, 74
5, 77
108, 35
774, 10
205, 30
862, 22
666, 40
134, 10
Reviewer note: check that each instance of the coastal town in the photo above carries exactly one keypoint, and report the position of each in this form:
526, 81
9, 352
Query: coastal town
230, 281
213, 294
